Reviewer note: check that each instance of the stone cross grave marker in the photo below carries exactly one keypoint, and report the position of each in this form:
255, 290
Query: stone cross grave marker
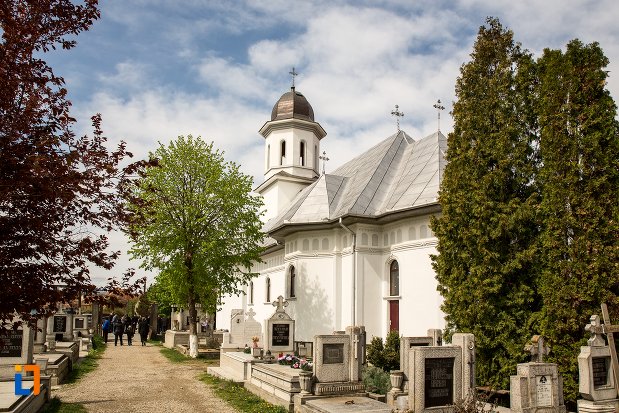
537, 348
280, 303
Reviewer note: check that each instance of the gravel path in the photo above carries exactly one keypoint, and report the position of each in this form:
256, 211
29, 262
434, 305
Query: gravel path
140, 379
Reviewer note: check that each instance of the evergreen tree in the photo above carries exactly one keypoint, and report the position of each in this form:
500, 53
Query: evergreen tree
486, 264
579, 181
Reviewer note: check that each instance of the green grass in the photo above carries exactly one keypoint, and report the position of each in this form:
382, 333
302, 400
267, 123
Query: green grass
89, 363
239, 397
176, 357
173, 355
56, 406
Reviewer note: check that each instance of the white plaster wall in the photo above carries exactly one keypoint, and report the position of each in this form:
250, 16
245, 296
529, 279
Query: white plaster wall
324, 293
278, 196
293, 138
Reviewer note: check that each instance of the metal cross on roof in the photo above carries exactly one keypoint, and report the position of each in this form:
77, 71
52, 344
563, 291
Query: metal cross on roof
438, 108
324, 159
294, 74
398, 115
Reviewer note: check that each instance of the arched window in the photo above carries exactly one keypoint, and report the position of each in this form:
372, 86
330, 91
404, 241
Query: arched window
315, 244
374, 240
268, 290
282, 153
325, 244
292, 275
302, 153
251, 292
394, 279
364, 239
423, 231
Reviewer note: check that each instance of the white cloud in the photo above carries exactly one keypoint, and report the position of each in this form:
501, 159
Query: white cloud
356, 59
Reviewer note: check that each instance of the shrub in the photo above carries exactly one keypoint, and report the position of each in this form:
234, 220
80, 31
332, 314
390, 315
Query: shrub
376, 380
385, 356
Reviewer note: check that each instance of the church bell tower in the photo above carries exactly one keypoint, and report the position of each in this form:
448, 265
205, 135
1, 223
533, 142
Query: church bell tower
292, 147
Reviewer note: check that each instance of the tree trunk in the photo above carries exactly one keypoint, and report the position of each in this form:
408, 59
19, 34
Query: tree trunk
193, 334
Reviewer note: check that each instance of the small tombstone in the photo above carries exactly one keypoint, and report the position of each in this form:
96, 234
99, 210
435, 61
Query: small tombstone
406, 343
466, 342
280, 329
237, 327
596, 382
537, 385
16, 347
252, 328
435, 378
337, 362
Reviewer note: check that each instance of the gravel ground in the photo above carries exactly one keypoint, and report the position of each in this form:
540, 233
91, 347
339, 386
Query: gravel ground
140, 379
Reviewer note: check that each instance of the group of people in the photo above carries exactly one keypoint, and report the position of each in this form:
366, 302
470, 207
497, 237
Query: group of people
125, 325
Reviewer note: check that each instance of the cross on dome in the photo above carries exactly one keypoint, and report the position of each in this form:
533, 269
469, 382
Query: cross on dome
294, 74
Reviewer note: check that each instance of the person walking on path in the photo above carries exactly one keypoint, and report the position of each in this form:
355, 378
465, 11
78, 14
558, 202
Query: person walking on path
119, 330
129, 330
106, 327
143, 328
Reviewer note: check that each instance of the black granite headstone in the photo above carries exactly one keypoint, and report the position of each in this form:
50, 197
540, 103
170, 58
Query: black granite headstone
79, 323
439, 380
60, 324
11, 343
281, 335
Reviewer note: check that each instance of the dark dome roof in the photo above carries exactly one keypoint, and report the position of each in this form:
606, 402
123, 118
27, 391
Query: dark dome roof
291, 105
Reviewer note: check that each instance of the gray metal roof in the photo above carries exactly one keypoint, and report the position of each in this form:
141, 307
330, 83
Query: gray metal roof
397, 174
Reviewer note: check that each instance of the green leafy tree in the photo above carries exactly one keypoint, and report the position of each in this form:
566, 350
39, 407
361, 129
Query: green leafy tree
195, 221
486, 264
579, 180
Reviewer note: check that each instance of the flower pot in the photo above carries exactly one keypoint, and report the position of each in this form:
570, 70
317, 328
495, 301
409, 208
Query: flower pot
305, 381
396, 377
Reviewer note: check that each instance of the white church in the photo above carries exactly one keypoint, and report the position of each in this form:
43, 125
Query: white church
351, 247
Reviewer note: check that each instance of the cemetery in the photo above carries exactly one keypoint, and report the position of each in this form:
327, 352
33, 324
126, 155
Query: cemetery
433, 375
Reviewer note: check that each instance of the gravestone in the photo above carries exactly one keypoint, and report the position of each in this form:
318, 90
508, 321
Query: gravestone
242, 330
407, 343
597, 384
337, 362
280, 329
252, 329
466, 341
16, 347
537, 386
435, 378
39, 335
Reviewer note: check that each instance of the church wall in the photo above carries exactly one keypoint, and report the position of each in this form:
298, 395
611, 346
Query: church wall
324, 260
293, 137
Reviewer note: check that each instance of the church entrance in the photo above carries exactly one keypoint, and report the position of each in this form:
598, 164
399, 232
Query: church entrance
394, 315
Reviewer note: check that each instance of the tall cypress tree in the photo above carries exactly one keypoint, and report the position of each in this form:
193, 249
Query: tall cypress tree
486, 264
579, 182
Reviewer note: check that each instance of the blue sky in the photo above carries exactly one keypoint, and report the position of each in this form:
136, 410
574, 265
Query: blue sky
157, 69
